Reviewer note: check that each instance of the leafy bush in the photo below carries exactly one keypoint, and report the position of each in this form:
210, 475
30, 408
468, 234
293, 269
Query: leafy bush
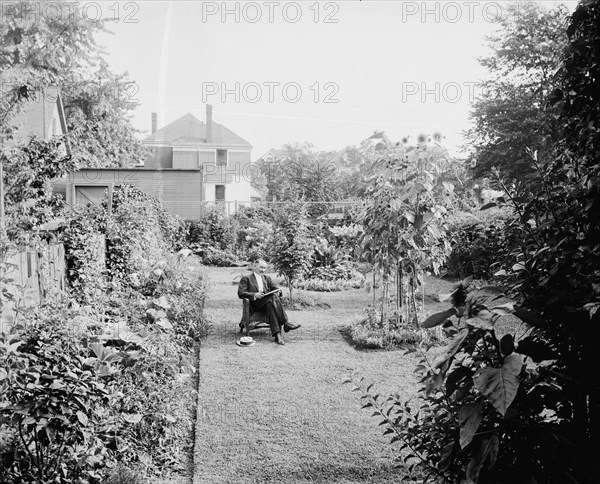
154, 384
212, 229
346, 238
253, 214
126, 355
480, 243
140, 231
133, 403
83, 240
212, 256
255, 240
51, 402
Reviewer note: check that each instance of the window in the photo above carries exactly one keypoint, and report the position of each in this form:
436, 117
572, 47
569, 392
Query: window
219, 193
221, 157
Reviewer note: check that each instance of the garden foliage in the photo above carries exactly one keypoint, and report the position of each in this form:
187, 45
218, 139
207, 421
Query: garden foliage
480, 245
96, 382
212, 238
292, 246
524, 407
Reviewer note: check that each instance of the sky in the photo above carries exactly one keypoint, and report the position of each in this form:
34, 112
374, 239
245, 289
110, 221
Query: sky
327, 73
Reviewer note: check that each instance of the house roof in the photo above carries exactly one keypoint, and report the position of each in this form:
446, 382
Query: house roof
278, 154
338, 158
190, 130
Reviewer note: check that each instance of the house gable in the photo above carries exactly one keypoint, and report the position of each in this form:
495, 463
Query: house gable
42, 116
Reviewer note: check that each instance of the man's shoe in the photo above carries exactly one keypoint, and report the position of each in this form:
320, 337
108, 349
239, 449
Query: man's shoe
279, 339
287, 327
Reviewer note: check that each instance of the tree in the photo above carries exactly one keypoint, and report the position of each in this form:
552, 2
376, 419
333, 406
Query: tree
306, 174
27, 171
97, 116
403, 216
292, 247
40, 48
512, 115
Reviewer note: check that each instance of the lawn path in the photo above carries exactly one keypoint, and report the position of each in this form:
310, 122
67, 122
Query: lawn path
280, 414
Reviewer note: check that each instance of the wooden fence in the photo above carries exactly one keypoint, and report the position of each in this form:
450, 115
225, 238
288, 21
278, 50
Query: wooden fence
36, 273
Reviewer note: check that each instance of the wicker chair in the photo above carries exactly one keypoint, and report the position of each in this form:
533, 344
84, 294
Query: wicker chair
252, 320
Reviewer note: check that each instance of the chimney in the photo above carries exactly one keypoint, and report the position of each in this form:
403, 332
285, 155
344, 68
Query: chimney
153, 123
209, 123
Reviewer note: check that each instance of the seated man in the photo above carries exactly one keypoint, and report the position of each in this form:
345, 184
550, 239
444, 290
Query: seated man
253, 287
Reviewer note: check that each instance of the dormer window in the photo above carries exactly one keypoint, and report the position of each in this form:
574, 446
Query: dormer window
221, 157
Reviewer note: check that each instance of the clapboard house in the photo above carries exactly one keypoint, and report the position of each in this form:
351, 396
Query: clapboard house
191, 164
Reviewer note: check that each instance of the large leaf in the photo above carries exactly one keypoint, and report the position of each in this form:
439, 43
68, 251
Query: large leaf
499, 385
486, 450
438, 318
488, 205
507, 344
82, 417
535, 350
469, 418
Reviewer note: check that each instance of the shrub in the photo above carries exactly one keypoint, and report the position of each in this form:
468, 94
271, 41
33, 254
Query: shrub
254, 213
51, 401
212, 229
212, 256
83, 239
131, 404
154, 384
139, 233
255, 240
479, 244
329, 279
346, 238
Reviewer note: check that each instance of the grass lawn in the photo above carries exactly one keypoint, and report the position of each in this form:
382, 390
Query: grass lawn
281, 414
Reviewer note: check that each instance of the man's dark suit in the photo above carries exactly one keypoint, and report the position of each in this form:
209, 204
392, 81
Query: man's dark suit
271, 304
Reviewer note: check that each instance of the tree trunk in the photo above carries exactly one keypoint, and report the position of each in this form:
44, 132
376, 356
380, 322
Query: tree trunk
374, 296
289, 283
